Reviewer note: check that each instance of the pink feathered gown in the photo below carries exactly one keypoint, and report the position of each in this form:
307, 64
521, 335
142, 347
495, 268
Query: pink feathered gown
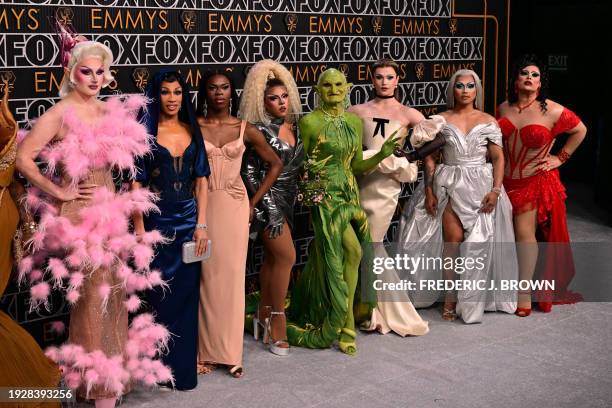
84, 248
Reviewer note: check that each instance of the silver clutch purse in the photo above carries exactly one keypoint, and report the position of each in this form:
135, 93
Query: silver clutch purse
189, 255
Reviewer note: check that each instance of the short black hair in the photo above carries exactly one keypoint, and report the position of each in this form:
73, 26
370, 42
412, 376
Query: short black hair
202, 91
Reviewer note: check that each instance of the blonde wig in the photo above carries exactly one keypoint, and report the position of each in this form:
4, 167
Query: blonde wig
450, 91
81, 51
252, 107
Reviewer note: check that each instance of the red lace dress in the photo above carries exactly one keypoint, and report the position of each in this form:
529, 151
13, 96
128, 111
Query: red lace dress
529, 189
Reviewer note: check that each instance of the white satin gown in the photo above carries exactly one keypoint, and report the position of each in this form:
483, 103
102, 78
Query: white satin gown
379, 192
463, 179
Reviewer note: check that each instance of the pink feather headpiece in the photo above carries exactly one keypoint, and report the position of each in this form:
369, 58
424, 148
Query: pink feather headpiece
68, 39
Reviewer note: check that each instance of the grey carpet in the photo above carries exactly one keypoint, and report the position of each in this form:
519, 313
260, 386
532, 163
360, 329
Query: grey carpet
561, 359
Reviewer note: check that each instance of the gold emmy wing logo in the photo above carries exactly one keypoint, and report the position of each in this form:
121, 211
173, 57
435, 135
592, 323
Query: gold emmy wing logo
64, 15
291, 22
344, 69
377, 24
419, 69
8, 78
189, 20
141, 78
452, 25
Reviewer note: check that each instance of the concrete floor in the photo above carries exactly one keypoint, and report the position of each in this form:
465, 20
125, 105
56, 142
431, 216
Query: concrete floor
561, 359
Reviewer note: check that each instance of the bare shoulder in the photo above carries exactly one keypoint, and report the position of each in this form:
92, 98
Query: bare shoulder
53, 116
486, 118
554, 109
357, 109
413, 115
444, 114
503, 108
58, 109
251, 128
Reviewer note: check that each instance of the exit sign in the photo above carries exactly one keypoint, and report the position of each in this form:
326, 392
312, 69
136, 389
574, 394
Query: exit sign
557, 62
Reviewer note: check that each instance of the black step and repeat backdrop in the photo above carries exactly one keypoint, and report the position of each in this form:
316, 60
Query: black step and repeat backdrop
430, 39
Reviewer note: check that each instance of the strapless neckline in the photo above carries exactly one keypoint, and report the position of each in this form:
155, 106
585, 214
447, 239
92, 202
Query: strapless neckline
472, 130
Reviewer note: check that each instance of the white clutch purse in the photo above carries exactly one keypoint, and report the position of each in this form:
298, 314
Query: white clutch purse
189, 255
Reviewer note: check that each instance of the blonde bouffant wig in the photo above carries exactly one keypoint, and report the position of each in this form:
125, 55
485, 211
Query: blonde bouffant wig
81, 51
252, 107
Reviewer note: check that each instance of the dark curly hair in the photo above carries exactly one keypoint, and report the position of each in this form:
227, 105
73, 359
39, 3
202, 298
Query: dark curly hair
522, 62
202, 91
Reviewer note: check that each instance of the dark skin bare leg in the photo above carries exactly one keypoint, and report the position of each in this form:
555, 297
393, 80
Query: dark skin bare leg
279, 258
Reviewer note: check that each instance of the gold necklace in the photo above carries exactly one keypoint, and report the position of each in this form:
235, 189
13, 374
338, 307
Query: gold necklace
329, 114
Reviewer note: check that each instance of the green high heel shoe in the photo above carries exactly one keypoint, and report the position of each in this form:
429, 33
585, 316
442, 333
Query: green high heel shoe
348, 347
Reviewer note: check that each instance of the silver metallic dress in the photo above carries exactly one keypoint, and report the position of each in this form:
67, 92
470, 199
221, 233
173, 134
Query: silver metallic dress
464, 179
276, 206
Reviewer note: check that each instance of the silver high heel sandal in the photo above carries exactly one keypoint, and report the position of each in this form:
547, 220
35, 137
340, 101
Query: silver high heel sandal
257, 324
275, 345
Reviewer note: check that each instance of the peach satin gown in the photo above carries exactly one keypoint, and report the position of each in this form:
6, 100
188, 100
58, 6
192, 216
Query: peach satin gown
221, 326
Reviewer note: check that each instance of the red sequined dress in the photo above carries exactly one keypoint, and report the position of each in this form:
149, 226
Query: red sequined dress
529, 189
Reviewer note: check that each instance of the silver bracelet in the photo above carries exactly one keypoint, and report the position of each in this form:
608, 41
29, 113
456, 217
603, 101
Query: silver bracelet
202, 226
497, 190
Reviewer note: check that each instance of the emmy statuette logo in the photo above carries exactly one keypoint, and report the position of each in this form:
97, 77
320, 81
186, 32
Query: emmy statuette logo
377, 24
140, 77
344, 68
291, 22
189, 20
419, 70
453, 26
7, 78
64, 15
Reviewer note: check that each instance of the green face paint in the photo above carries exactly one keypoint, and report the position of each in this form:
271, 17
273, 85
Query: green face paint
332, 87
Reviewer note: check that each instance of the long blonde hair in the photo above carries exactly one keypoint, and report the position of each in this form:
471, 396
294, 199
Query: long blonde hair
252, 108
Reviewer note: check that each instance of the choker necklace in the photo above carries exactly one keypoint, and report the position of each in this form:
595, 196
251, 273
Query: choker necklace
522, 108
385, 97
277, 121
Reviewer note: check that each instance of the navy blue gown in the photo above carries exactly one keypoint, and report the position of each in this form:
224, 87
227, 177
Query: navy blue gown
173, 178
